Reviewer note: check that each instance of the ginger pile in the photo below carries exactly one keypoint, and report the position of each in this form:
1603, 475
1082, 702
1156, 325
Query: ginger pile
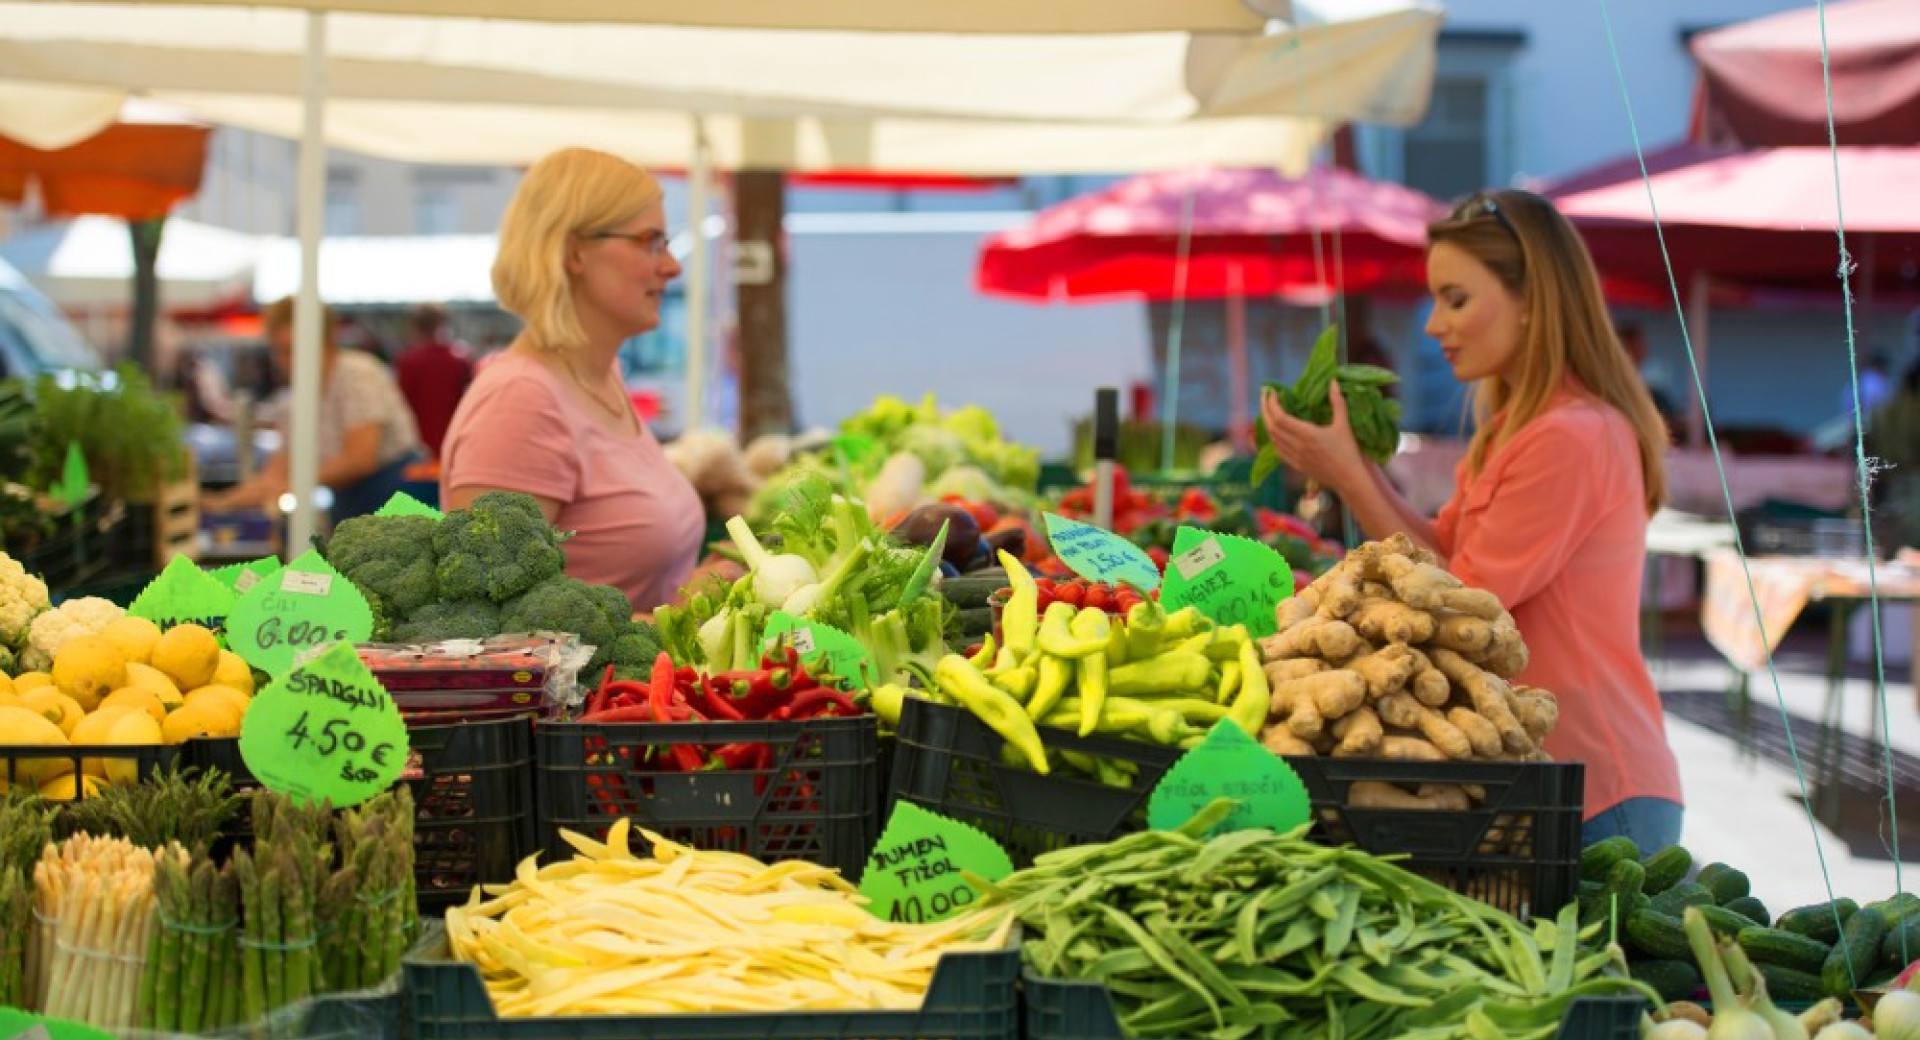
1388, 655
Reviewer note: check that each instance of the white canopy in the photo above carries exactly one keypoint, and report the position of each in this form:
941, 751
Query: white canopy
87, 262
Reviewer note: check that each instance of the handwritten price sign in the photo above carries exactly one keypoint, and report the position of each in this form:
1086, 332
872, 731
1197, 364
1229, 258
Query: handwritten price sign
1233, 580
184, 593
326, 730
1099, 555
914, 873
297, 610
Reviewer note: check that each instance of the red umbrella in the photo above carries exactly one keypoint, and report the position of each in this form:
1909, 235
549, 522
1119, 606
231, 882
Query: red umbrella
1252, 235
1762, 84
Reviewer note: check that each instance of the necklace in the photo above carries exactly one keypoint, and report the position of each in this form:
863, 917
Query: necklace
621, 415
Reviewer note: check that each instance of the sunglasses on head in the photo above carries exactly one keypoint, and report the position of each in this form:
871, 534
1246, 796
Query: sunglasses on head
1486, 204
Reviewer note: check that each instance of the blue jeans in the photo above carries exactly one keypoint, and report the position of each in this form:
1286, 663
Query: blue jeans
370, 492
1652, 823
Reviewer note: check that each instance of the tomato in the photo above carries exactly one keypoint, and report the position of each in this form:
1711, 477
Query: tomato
1070, 592
1098, 596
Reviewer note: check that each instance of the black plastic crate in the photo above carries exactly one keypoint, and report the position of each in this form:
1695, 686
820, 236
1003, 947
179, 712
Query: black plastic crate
1059, 1009
973, 996
1518, 850
473, 802
76, 549
818, 800
140, 759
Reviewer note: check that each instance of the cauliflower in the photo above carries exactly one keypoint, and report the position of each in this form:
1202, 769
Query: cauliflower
76, 617
22, 598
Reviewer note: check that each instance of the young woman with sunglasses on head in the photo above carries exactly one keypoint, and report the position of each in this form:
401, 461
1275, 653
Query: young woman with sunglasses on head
1551, 502
583, 261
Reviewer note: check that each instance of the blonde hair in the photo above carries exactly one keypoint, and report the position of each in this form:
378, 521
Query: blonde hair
279, 315
574, 191
1537, 255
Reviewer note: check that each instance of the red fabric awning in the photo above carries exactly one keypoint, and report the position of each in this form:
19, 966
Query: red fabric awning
1761, 81
1253, 234
137, 171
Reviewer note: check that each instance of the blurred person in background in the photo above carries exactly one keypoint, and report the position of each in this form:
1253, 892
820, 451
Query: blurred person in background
367, 437
434, 372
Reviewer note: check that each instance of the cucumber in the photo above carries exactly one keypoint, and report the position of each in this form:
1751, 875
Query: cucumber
1667, 868
1749, 907
971, 590
1675, 900
1901, 947
1856, 954
1625, 880
1787, 949
1818, 920
1725, 882
1898, 907
1785, 985
1725, 923
1672, 979
1597, 859
1658, 935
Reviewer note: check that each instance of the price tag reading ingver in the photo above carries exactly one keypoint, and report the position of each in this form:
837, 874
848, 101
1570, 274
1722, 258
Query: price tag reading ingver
327, 730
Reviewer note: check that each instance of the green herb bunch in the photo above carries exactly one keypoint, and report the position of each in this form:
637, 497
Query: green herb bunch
1374, 417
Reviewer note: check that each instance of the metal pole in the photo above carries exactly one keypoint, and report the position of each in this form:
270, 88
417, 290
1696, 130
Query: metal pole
699, 275
304, 426
1699, 303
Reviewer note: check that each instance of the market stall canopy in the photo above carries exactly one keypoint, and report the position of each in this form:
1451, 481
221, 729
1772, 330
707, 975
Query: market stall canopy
1371, 63
87, 263
1762, 218
384, 271
1252, 231
927, 16
1762, 82
136, 170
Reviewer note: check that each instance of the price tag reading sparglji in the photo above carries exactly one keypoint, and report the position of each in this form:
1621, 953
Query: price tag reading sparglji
327, 730
305, 606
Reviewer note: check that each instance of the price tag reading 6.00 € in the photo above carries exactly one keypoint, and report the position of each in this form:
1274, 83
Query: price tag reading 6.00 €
284, 618
325, 730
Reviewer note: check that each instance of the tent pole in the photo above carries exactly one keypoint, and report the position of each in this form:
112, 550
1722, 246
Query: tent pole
1699, 303
1239, 428
699, 273
304, 436
1176, 332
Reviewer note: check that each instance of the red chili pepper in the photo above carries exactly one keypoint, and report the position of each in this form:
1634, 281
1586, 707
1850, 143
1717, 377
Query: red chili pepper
688, 758
713, 695
624, 692
599, 698
821, 700
742, 755
660, 694
642, 712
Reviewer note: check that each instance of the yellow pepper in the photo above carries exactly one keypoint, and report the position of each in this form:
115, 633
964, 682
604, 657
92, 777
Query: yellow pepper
1229, 682
1056, 674
984, 656
1249, 710
1092, 626
1067, 632
888, 701
1021, 617
991, 705
1018, 682
1146, 623
1175, 670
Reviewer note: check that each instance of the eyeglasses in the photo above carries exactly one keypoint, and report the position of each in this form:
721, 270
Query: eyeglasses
653, 240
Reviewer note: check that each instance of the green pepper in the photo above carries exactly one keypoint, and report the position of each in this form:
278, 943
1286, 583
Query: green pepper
1122, 715
1185, 622
1018, 682
988, 649
1146, 623
888, 701
1197, 712
1226, 642
1249, 710
1194, 644
1092, 626
1174, 670
1021, 616
1229, 682
1116, 645
1056, 674
1068, 632
991, 705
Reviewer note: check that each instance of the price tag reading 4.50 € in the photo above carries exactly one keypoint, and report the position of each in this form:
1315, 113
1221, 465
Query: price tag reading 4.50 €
325, 730
302, 607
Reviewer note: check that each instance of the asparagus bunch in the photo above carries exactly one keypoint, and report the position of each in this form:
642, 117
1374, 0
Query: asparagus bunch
25, 829
280, 957
372, 896
96, 902
171, 805
192, 981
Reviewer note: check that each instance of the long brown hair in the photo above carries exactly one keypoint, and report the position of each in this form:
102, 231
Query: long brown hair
1537, 255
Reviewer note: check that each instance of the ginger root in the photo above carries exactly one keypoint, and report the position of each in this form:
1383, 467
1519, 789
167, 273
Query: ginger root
1402, 710
1334, 693
1409, 748
1296, 708
1359, 733
1537, 710
1280, 740
1324, 638
1386, 670
1296, 608
1478, 602
1376, 794
1463, 633
1294, 668
1390, 621
1339, 589
1488, 693
1482, 734
1429, 686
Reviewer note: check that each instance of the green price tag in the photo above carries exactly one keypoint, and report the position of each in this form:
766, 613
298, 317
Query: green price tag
16, 1024
914, 872
1228, 764
845, 656
852, 449
184, 593
1099, 555
1230, 579
403, 504
74, 477
327, 730
242, 577
302, 607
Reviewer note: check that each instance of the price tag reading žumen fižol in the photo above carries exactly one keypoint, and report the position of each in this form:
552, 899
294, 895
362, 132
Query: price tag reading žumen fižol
305, 606
325, 730
914, 873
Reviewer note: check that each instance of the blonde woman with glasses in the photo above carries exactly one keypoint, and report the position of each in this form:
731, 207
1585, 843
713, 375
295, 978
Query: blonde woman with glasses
583, 261
1551, 502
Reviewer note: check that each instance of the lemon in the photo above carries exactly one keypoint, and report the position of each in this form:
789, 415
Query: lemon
134, 636
88, 668
20, 727
28, 680
56, 707
203, 718
67, 787
94, 728
233, 671
147, 677
10, 699
229, 702
6, 684
135, 697
188, 654
126, 727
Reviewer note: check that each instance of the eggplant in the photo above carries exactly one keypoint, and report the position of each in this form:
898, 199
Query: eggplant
922, 526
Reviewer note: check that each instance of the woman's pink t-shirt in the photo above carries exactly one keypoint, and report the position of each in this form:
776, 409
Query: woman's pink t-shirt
1556, 526
637, 523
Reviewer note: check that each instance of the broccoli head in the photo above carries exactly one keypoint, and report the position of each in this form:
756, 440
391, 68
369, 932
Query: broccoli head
458, 619
496, 549
389, 558
567, 604
634, 651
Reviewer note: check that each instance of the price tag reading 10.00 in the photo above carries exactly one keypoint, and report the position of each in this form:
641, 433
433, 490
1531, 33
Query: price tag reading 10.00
326, 730
294, 612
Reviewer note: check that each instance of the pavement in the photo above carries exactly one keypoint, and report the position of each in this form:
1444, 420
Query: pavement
1747, 804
